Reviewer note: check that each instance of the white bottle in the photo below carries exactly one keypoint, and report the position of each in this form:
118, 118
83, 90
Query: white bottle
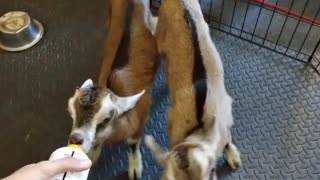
73, 151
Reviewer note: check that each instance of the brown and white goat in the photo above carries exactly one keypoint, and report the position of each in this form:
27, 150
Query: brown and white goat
112, 111
200, 115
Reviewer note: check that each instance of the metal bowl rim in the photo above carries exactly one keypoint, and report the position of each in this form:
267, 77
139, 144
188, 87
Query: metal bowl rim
26, 46
21, 29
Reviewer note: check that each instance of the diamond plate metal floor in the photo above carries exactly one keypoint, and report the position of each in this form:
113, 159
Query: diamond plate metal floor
276, 111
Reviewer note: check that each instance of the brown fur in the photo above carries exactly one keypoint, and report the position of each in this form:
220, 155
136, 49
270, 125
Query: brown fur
138, 74
129, 67
184, 162
87, 105
173, 31
188, 130
183, 165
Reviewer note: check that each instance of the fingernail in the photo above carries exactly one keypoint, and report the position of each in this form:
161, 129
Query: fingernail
86, 162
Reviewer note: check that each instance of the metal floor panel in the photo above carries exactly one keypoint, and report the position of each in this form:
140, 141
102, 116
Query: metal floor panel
276, 107
276, 112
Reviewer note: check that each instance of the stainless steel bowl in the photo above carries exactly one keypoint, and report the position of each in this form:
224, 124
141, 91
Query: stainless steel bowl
18, 31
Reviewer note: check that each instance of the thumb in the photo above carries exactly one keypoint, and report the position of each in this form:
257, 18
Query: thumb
68, 164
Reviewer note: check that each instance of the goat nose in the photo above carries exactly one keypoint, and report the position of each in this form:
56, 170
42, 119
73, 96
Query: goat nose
76, 138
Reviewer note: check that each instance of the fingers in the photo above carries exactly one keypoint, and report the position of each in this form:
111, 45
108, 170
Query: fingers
53, 168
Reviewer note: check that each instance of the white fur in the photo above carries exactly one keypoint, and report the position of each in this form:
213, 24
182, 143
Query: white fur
106, 133
221, 103
71, 108
150, 20
150, 142
214, 176
159, 153
212, 144
135, 164
170, 174
132, 141
218, 104
202, 158
88, 131
233, 156
124, 104
152, 23
104, 112
87, 84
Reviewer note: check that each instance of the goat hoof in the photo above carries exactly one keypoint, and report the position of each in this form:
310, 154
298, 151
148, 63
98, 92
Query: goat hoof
134, 175
135, 167
235, 164
234, 160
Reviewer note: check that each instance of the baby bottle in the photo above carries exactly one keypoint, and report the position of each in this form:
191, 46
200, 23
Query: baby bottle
75, 151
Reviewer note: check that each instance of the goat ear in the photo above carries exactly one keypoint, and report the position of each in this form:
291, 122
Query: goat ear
158, 152
87, 84
126, 103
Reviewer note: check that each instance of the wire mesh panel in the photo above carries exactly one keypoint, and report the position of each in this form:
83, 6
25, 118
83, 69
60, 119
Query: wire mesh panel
315, 59
289, 27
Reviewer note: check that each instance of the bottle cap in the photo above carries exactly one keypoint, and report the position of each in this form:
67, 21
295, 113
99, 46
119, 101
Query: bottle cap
75, 146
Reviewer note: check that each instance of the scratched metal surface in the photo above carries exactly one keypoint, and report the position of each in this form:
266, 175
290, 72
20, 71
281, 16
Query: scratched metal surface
276, 108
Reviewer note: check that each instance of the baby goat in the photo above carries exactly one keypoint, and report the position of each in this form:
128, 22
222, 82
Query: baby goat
200, 115
109, 112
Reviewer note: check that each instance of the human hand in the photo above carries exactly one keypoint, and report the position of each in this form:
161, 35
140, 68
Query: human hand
46, 170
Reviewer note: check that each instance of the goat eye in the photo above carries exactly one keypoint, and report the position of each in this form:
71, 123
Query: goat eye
103, 124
